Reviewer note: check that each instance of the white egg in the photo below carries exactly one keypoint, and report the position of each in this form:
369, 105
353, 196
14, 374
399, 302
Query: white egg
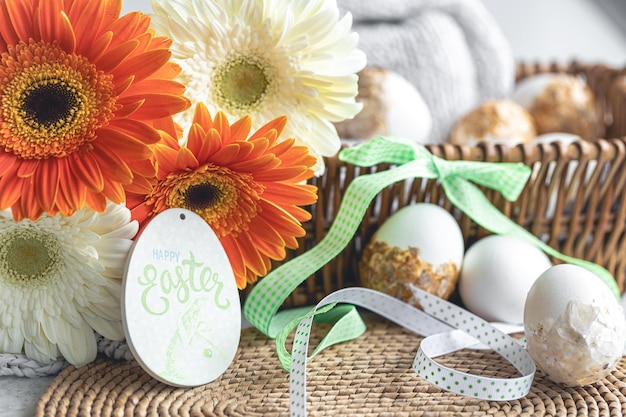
428, 227
421, 244
496, 275
574, 326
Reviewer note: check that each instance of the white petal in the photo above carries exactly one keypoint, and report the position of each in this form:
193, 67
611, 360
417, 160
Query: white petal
79, 345
10, 344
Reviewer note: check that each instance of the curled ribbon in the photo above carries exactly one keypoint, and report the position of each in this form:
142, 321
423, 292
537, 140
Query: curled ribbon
457, 178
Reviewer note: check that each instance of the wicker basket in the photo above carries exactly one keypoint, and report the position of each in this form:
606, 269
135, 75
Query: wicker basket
587, 222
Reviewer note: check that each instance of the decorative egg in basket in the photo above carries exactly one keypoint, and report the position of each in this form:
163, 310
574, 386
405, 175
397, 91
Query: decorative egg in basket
420, 244
559, 103
574, 325
392, 106
496, 275
496, 121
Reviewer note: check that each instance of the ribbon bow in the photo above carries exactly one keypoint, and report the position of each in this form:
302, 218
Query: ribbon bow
412, 160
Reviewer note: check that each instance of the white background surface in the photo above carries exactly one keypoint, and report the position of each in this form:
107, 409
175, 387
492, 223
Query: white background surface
538, 30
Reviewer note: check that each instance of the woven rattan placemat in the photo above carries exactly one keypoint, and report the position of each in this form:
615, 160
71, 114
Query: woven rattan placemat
370, 376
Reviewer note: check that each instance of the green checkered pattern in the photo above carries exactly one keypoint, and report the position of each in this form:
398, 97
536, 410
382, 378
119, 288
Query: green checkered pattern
457, 177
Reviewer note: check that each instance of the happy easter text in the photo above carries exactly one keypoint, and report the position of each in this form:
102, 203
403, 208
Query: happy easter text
190, 276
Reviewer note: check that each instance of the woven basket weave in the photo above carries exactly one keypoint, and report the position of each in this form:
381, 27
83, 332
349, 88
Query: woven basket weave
586, 219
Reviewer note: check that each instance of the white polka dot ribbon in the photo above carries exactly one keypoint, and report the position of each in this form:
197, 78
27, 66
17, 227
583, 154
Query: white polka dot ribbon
488, 388
437, 323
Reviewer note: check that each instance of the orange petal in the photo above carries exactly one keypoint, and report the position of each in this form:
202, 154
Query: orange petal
195, 139
236, 260
96, 201
130, 25
282, 173
140, 213
71, 191
120, 142
212, 144
54, 25
145, 168
47, 183
112, 164
226, 154
112, 12
7, 161
168, 71
21, 17
151, 85
277, 124
240, 130
137, 129
85, 168
140, 185
166, 160
143, 65
98, 47
115, 56
267, 239
127, 107
186, 159
122, 86
113, 191
202, 116
168, 126
28, 204
221, 124
256, 165
155, 106
7, 31
27, 167
11, 187
288, 227
253, 258
87, 18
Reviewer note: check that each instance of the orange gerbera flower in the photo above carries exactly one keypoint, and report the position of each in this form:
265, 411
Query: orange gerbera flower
81, 89
248, 189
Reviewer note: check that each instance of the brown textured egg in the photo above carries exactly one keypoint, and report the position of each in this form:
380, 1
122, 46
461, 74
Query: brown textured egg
496, 121
560, 103
392, 106
420, 244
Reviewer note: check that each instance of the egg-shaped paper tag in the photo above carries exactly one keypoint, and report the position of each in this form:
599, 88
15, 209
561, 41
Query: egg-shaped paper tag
180, 305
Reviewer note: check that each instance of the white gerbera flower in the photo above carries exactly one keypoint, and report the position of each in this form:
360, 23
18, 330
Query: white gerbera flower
60, 279
267, 58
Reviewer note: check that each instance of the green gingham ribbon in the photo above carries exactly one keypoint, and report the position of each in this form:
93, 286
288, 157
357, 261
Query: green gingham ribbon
457, 178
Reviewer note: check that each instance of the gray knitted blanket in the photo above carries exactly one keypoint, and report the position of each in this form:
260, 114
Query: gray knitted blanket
452, 51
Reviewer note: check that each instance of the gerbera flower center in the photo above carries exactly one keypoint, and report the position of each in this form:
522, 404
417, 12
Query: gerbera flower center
227, 200
202, 196
51, 102
29, 257
242, 83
